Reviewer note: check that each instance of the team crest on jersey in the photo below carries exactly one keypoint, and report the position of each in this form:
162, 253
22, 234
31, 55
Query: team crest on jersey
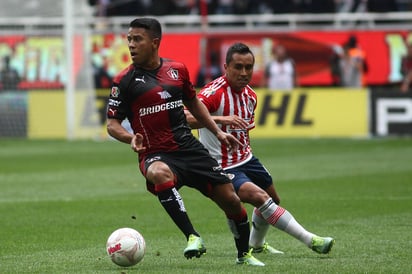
250, 106
115, 92
173, 73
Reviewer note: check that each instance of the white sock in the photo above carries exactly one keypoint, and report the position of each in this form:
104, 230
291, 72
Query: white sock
283, 220
259, 229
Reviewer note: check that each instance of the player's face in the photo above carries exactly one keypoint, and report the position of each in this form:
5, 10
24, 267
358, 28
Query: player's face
239, 71
143, 48
279, 52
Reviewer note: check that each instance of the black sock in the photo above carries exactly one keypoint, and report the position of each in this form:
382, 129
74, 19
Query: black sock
241, 232
173, 204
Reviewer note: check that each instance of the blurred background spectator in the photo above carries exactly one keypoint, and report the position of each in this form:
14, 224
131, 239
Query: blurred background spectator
406, 70
280, 72
209, 72
225, 7
356, 53
350, 5
335, 66
404, 5
9, 77
382, 6
165, 7
348, 64
137, 7
350, 69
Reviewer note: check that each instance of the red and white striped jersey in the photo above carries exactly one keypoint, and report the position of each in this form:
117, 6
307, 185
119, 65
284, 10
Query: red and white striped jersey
221, 100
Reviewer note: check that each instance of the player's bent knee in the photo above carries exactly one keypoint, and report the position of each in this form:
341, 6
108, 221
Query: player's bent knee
255, 197
159, 172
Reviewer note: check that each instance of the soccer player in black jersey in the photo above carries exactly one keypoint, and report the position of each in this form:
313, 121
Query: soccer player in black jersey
151, 93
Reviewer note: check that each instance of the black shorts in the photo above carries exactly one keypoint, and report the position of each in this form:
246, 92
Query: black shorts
196, 169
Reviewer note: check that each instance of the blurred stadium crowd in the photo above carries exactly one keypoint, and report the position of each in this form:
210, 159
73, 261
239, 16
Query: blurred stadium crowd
180, 7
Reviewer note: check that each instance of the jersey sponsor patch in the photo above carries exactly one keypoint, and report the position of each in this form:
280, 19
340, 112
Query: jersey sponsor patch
173, 73
208, 91
213, 87
153, 159
164, 94
114, 103
115, 92
158, 108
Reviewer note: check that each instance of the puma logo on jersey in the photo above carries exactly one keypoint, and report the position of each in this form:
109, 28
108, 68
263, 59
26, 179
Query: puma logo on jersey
141, 79
112, 112
164, 94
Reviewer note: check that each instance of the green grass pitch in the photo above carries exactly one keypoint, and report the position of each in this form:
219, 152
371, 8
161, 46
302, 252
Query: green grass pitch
60, 200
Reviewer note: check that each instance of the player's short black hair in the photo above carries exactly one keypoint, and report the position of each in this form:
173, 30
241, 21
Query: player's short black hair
237, 48
150, 24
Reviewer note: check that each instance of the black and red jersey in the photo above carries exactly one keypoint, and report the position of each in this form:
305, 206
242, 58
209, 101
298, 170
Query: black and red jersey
152, 101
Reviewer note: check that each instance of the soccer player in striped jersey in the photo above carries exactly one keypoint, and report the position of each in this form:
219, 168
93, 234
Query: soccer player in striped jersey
232, 102
151, 93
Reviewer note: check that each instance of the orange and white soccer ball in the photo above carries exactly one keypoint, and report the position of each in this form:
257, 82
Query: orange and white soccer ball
126, 246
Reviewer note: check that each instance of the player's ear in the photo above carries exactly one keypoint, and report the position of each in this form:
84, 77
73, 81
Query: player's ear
225, 66
156, 42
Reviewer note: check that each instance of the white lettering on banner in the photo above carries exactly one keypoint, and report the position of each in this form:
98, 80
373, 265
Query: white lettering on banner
384, 117
397, 48
161, 107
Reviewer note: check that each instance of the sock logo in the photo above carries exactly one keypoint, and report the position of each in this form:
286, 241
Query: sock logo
254, 225
179, 200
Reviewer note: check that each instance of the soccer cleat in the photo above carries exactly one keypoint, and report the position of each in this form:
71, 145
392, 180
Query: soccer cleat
195, 247
267, 249
248, 259
322, 245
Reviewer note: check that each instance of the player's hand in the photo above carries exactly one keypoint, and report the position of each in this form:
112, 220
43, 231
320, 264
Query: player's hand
229, 140
137, 143
234, 121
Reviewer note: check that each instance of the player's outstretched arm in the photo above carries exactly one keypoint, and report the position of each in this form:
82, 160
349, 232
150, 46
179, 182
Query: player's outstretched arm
200, 112
232, 120
117, 131
201, 116
192, 121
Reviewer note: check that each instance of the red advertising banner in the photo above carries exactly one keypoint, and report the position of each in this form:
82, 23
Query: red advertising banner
110, 53
312, 52
40, 60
